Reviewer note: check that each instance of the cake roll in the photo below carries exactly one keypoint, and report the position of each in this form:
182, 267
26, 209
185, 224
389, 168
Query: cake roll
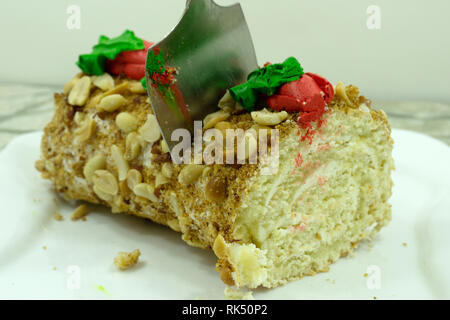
330, 189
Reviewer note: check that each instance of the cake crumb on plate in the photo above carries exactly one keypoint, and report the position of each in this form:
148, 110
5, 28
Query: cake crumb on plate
125, 260
57, 216
80, 212
237, 294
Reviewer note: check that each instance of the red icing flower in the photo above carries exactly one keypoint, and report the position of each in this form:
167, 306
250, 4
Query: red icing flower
309, 93
130, 63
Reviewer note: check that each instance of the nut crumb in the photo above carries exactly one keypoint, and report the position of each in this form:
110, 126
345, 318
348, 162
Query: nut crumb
366, 275
125, 260
57, 216
237, 294
44, 247
404, 244
80, 212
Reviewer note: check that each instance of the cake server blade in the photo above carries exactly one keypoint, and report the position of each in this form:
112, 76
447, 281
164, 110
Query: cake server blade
211, 50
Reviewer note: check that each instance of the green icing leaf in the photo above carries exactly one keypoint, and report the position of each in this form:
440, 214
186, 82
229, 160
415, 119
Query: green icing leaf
108, 49
266, 80
144, 83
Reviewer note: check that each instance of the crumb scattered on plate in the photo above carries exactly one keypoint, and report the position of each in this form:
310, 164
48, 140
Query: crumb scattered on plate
237, 294
57, 216
366, 275
404, 244
44, 247
80, 212
125, 260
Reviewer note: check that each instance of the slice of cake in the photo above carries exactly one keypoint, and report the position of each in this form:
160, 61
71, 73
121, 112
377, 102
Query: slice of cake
329, 189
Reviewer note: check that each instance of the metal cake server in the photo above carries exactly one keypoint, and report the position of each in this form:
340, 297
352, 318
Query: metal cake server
211, 50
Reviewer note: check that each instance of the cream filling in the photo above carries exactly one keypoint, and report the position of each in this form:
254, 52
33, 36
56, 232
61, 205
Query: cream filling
295, 223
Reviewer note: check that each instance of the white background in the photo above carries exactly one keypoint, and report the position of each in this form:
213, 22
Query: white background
407, 59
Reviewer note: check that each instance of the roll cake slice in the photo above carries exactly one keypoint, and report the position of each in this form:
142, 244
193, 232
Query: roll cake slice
327, 195
329, 191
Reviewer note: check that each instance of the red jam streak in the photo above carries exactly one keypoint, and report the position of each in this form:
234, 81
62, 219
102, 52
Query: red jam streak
130, 63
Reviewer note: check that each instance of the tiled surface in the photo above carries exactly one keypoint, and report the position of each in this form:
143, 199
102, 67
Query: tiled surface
23, 109
426, 117
28, 108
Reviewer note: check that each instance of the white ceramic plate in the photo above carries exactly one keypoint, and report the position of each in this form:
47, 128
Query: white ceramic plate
82, 252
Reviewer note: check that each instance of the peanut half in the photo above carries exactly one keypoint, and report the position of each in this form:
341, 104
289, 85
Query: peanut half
121, 88
104, 82
160, 179
341, 93
111, 103
190, 173
105, 182
79, 93
150, 130
134, 178
132, 146
69, 85
145, 190
86, 130
95, 163
136, 87
126, 122
266, 118
120, 162
213, 118
228, 104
